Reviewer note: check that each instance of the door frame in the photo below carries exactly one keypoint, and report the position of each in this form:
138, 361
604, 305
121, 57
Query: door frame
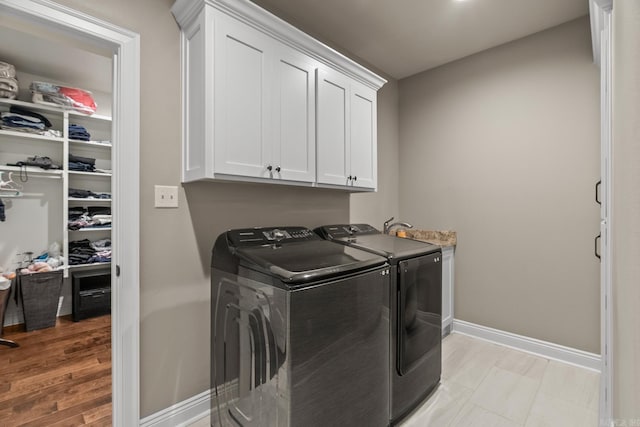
125, 187
601, 34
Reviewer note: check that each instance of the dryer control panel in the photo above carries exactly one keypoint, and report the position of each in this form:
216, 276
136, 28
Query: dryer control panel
345, 231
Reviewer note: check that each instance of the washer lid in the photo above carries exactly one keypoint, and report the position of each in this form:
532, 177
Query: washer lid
302, 262
297, 255
364, 236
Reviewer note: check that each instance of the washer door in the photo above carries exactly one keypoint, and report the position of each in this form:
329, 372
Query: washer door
419, 309
246, 357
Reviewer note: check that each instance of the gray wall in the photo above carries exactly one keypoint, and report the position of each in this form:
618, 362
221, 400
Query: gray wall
375, 208
625, 222
503, 147
371, 208
176, 243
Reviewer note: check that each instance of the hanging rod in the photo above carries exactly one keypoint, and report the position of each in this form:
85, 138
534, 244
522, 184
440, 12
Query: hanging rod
18, 194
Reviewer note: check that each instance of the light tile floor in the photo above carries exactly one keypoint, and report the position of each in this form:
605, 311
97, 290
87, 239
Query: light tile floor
488, 385
485, 384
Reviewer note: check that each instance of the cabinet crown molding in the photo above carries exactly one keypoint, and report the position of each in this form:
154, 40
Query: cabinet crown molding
186, 11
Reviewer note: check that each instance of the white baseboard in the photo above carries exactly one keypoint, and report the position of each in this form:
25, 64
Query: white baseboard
545, 349
182, 413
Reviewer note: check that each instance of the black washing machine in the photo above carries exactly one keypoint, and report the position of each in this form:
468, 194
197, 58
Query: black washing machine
299, 331
415, 303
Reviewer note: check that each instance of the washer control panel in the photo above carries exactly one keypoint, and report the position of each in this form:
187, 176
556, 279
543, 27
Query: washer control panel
269, 235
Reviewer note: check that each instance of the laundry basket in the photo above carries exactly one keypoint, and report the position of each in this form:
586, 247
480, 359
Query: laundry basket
40, 293
5, 290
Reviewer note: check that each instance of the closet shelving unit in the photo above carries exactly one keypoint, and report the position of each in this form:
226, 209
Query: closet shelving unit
59, 148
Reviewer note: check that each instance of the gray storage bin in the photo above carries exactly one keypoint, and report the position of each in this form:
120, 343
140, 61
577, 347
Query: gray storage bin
40, 293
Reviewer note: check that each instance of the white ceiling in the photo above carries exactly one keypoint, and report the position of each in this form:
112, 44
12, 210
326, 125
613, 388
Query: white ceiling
404, 37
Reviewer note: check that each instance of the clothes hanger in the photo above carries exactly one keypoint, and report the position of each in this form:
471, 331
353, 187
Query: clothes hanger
10, 184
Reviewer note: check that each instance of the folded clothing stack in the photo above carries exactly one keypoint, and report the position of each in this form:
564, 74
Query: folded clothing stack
68, 97
8, 82
79, 133
87, 194
24, 120
87, 252
91, 217
103, 250
83, 164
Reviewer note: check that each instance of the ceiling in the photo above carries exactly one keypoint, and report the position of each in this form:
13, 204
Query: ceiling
67, 60
405, 37
398, 37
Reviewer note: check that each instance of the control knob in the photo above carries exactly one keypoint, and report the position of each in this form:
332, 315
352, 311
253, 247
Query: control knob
276, 235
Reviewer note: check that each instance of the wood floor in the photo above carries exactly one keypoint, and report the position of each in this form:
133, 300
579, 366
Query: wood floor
58, 376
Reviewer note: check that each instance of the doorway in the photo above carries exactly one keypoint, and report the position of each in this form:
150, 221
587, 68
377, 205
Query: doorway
124, 49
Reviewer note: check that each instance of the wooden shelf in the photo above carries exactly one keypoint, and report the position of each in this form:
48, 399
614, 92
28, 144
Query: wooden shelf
71, 173
33, 106
33, 171
53, 109
87, 200
27, 135
77, 114
88, 229
95, 264
92, 144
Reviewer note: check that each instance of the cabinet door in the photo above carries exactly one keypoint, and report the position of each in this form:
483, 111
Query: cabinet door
294, 142
332, 128
447, 288
242, 76
363, 136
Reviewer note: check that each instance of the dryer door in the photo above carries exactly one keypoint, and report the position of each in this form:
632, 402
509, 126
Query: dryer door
419, 310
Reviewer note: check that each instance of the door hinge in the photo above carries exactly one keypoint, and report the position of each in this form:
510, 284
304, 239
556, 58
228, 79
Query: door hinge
117, 271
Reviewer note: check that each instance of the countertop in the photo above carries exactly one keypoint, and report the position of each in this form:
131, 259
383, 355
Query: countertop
442, 238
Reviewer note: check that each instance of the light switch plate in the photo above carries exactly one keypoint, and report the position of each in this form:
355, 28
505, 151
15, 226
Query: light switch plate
166, 196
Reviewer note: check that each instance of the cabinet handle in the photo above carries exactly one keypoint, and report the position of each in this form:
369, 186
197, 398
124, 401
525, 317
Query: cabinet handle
269, 168
595, 249
349, 178
355, 178
278, 169
598, 193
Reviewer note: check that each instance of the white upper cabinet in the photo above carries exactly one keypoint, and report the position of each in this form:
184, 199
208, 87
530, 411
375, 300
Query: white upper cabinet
347, 126
363, 143
251, 86
294, 127
333, 132
241, 95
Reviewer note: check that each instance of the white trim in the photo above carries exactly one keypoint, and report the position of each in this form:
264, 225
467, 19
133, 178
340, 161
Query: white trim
606, 171
125, 188
182, 413
545, 349
600, 14
598, 9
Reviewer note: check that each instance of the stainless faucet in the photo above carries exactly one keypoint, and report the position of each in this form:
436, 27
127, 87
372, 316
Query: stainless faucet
387, 227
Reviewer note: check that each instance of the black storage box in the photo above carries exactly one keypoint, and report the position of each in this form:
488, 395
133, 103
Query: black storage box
40, 293
91, 293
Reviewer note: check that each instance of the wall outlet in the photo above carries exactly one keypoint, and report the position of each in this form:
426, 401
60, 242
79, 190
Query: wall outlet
166, 196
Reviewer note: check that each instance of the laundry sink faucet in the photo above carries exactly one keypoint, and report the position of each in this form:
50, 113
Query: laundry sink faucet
387, 226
